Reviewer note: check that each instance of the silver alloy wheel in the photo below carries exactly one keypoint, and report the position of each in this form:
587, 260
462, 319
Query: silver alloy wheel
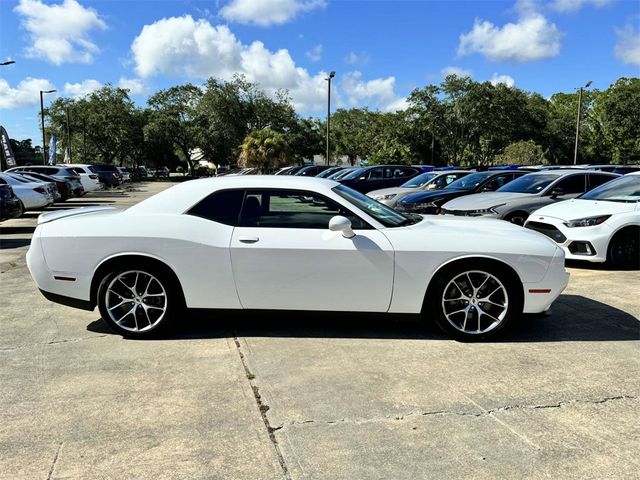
475, 302
136, 301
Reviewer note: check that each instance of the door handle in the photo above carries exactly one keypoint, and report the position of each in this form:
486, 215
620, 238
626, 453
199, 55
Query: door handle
246, 239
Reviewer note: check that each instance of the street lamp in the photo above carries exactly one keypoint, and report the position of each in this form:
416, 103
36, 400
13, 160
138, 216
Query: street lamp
44, 141
575, 152
328, 79
8, 62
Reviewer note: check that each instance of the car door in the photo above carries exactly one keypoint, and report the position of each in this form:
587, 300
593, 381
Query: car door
284, 256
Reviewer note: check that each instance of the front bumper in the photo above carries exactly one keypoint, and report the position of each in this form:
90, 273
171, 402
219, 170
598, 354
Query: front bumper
538, 296
579, 243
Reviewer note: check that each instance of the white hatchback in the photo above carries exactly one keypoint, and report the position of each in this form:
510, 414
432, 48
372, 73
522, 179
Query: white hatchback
88, 177
601, 225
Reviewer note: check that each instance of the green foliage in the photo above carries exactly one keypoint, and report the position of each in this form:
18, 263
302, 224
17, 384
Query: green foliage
264, 149
524, 152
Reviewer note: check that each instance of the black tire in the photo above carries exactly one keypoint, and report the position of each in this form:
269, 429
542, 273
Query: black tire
440, 307
624, 250
159, 311
22, 209
517, 218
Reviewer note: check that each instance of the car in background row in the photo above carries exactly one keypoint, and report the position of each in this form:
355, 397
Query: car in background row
366, 179
433, 180
124, 173
60, 172
10, 204
89, 179
517, 200
32, 195
64, 189
621, 169
48, 183
329, 171
602, 225
341, 173
108, 174
312, 170
430, 202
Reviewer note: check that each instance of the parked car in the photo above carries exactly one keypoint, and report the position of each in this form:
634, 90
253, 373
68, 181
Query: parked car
10, 204
602, 225
312, 170
343, 251
517, 200
621, 169
283, 171
425, 181
33, 195
379, 176
88, 177
430, 202
108, 174
329, 171
124, 174
51, 184
294, 170
57, 171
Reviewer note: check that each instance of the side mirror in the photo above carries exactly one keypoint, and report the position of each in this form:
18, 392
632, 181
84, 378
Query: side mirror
341, 224
556, 192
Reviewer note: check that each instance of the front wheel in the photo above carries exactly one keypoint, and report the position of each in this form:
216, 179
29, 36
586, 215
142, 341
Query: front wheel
624, 251
137, 303
475, 302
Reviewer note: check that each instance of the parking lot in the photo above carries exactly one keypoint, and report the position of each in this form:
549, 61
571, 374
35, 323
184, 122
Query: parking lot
316, 396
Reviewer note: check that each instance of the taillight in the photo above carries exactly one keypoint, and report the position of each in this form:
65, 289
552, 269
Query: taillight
93, 177
40, 190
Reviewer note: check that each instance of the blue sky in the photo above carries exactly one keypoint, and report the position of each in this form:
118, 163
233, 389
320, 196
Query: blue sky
380, 49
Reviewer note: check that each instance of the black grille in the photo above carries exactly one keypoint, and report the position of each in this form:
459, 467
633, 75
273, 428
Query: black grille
549, 230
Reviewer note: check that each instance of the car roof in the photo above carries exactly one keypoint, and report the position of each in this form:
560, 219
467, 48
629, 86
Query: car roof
570, 171
184, 195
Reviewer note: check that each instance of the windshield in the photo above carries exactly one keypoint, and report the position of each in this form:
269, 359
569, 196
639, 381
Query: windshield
340, 173
529, 183
385, 215
469, 182
419, 181
354, 174
624, 189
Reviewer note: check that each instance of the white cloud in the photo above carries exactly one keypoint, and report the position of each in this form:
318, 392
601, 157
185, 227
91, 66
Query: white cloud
575, 5
504, 79
378, 93
59, 33
185, 47
354, 58
627, 49
531, 38
315, 54
134, 85
267, 12
26, 93
80, 89
459, 72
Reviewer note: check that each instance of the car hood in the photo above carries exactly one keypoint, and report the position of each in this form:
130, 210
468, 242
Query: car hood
484, 200
576, 208
431, 194
388, 191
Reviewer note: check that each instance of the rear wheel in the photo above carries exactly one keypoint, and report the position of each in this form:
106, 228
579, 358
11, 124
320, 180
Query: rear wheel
475, 301
624, 251
137, 302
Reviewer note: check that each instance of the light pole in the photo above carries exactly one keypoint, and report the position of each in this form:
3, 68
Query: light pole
575, 151
328, 79
8, 62
44, 141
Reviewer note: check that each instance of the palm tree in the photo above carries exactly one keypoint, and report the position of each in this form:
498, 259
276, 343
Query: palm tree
265, 150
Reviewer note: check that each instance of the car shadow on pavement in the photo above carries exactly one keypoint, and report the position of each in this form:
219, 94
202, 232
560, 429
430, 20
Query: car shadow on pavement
8, 230
574, 318
8, 243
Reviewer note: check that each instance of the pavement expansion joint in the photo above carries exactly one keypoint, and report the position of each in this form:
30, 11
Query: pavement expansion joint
264, 408
476, 414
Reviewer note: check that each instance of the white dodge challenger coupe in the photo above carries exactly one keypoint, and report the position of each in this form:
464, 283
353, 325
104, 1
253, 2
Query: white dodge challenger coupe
290, 243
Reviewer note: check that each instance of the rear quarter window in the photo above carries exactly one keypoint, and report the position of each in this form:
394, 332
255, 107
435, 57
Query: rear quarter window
221, 207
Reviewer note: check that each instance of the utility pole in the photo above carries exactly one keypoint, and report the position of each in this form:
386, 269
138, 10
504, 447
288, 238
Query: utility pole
69, 137
331, 75
575, 151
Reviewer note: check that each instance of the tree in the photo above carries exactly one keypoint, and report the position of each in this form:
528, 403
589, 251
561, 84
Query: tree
523, 152
351, 133
174, 120
265, 150
306, 140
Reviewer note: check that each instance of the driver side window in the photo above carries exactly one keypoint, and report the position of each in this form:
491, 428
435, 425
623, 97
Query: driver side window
292, 209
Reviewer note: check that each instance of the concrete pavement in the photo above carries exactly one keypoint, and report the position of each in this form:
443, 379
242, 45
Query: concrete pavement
316, 396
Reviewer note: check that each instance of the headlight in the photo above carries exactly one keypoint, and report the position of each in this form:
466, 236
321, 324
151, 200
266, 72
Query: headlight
483, 211
587, 221
388, 196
